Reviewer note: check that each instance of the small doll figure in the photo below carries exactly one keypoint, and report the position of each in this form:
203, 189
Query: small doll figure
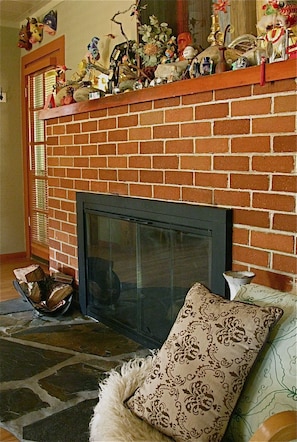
192, 69
170, 52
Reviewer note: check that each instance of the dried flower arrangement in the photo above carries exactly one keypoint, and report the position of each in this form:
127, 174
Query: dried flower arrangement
156, 39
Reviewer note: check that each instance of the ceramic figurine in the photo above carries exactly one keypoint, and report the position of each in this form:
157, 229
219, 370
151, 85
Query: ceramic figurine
275, 38
138, 85
170, 52
93, 49
68, 98
273, 27
183, 40
192, 68
61, 76
241, 63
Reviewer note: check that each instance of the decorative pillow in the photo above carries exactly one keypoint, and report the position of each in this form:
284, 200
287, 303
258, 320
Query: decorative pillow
200, 370
271, 384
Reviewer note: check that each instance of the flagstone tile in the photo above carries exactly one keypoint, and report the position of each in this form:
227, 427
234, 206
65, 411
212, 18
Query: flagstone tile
71, 425
20, 361
19, 402
92, 338
72, 379
60, 360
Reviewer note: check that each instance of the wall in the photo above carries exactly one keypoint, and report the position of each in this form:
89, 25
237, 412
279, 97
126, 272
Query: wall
233, 147
81, 20
11, 170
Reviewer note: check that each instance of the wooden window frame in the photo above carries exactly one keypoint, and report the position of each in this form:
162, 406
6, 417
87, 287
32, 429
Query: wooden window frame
49, 55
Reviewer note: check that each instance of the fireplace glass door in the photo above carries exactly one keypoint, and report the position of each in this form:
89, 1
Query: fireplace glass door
138, 274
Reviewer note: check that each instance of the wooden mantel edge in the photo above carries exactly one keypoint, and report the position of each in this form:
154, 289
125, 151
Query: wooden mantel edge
275, 71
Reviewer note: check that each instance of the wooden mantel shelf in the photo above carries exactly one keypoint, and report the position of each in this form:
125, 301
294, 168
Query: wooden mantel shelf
275, 71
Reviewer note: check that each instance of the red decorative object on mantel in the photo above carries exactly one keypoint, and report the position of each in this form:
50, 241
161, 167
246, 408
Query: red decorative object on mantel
263, 71
292, 51
49, 102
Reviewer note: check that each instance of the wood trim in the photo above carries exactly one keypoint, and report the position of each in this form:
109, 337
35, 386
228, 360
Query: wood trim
12, 257
41, 64
48, 55
183, 16
275, 71
279, 427
43, 55
38, 251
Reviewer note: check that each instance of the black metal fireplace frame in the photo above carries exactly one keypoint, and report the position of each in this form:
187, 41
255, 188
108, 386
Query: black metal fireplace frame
213, 221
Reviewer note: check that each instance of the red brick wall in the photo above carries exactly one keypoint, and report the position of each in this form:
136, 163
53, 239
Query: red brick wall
234, 147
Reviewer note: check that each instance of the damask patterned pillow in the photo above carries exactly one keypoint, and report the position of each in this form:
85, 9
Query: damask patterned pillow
200, 370
271, 384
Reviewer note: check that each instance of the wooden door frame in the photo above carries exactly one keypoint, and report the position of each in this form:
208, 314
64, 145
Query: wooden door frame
49, 55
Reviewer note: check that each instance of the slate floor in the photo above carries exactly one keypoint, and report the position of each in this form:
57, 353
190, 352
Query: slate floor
49, 372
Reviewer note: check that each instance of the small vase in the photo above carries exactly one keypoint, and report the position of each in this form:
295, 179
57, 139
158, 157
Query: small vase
222, 65
236, 279
260, 51
206, 66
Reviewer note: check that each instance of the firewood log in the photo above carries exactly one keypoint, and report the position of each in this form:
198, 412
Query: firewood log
32, 273
34, 292
58, 293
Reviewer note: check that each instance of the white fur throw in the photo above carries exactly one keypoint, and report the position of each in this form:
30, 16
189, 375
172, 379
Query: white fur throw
112, 420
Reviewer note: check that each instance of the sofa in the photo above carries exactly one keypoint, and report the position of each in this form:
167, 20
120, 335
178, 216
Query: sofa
251, 375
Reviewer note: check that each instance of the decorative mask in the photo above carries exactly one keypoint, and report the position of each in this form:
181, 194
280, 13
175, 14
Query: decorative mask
24, 37
50, 22
36, 30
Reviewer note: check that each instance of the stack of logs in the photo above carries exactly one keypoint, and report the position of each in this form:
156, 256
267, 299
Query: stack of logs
46, 293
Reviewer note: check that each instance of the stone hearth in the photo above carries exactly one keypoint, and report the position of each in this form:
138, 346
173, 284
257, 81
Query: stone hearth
50, 368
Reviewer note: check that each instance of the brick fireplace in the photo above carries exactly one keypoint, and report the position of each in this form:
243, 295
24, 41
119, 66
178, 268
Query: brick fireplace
222, 141
139, 257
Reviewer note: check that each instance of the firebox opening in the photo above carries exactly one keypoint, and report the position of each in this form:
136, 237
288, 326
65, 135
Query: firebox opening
138, 258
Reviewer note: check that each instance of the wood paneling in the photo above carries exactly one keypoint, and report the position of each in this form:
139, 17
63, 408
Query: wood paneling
243, 17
